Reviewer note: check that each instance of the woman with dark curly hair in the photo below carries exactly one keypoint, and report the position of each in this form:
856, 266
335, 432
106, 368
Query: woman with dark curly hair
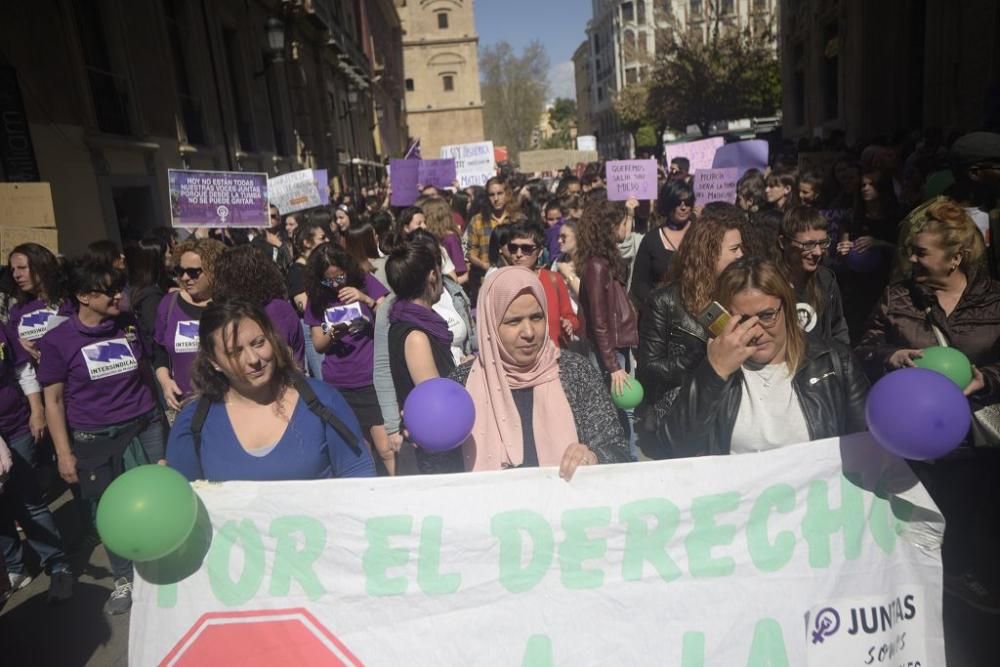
244, 273
253, 425
41, 293
340, 313
606, 312
175, 335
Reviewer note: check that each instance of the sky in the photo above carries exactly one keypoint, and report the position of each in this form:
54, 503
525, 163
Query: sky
558, 24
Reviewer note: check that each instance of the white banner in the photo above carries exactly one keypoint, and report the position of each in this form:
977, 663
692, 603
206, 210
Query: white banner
474, 163
820, 554
294, 191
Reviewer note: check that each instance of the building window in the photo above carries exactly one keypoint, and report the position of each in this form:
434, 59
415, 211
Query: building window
238, 89
643, 43
409, 85
759, 5
727, 7
631, 75
628, 12
449, 82
640, 12
108, 86
442, 20
597, 43
600, 93
629, 44
190, 104
696, 8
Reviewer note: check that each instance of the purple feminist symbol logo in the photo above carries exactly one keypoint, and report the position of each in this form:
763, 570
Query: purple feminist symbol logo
188, 329
827, 623
108, 352
36, 319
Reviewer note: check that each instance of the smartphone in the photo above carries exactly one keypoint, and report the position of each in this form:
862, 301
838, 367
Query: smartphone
714, 318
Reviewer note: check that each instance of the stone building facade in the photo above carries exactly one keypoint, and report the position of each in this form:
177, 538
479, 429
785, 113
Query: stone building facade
117, 92
444, 104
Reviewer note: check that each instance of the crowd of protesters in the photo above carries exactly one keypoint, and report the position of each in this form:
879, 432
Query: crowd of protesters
288, 352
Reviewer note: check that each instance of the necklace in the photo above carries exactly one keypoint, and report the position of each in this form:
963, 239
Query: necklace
666, 238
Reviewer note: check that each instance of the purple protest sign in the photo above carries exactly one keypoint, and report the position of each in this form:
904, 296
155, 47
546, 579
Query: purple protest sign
700, 153
631, 178
403, 179
217, 198
323, 185
439, 173
715, 185
743, 155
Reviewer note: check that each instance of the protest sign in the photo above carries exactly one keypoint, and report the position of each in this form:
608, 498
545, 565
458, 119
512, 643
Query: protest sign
552, 159
403, 182
26, 205
295, 191
474, 163
700, 153
323, 185
811, 554
218, 198
716, 185
439, 173
631, 178
586, 142
744, 155
11, 237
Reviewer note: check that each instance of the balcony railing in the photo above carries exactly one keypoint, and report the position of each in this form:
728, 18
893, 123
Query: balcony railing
112, 104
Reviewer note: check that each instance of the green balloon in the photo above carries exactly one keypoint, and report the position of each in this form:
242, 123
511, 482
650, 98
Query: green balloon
949, 362
147, 513
630, 397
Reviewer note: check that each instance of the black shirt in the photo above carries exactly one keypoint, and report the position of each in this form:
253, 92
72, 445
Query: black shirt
524, 399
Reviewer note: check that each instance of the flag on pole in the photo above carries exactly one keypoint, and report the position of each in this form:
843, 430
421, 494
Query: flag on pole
413, 152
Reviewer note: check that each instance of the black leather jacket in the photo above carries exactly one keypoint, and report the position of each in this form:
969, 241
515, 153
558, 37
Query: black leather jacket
830, 385
671, 345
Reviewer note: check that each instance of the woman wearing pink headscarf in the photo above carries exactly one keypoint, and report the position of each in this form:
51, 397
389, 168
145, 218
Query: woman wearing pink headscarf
536, 405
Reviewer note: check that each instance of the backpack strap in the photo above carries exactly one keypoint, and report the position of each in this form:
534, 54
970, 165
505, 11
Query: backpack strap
197, 423
320, 410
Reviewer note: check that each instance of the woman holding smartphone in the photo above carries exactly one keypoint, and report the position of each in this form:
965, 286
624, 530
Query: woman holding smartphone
672, 329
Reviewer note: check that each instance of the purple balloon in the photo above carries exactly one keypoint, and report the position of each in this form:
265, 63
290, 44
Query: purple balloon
918, 414
439, 414
864, 262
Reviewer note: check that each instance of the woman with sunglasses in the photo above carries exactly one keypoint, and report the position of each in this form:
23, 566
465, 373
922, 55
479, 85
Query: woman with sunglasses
99, 402
763, 384
524, 248
175, 335
803, 241
340, 312
40, 294
675, 210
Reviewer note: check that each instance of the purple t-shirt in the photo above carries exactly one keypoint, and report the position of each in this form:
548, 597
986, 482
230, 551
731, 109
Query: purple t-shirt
176, 330
30, 320
99, 368
288, 327
14, 410
552, 238
349, 362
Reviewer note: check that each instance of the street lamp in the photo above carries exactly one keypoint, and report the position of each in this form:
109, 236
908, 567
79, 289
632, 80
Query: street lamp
274, 30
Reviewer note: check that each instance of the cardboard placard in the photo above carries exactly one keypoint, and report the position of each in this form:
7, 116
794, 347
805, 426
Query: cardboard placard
26, 205
439, 173
631, 178
11, 237
474, 164
744, 155
404, 175
218, 198
553, 159
716, 185
700, 153
295, 191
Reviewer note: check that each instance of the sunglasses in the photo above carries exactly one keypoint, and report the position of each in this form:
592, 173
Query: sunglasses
191, 272
339, 281
110, 291
523, 248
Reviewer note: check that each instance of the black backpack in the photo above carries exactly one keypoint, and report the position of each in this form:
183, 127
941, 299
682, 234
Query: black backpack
312, 402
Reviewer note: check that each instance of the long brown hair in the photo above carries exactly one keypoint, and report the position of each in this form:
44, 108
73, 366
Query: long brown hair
760, 274
227, 315
437, 216
797, 220
693, 267
595, 237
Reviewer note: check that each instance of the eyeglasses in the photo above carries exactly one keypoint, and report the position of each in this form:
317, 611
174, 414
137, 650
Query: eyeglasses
766, 318
809, 246
523, 248
191, 272
339, 281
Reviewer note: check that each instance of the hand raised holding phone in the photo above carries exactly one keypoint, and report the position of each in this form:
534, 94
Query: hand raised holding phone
734, 345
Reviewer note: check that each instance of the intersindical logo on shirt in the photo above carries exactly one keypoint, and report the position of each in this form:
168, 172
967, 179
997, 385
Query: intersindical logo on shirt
34, 325
186, 336
110, 357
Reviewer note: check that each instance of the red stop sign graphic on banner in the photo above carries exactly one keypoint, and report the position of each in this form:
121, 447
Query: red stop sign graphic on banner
259, 639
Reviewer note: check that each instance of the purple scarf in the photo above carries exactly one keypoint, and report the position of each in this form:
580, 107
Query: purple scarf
422, 317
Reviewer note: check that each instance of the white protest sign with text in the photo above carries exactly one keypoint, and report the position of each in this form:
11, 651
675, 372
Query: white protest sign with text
294, 191
695, 562
474, 163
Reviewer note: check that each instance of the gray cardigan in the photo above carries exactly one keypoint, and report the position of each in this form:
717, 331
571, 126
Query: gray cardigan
594, 415
382, 377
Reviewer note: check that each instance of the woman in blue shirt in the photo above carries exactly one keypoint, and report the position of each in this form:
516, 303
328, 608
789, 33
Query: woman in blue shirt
260, 419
